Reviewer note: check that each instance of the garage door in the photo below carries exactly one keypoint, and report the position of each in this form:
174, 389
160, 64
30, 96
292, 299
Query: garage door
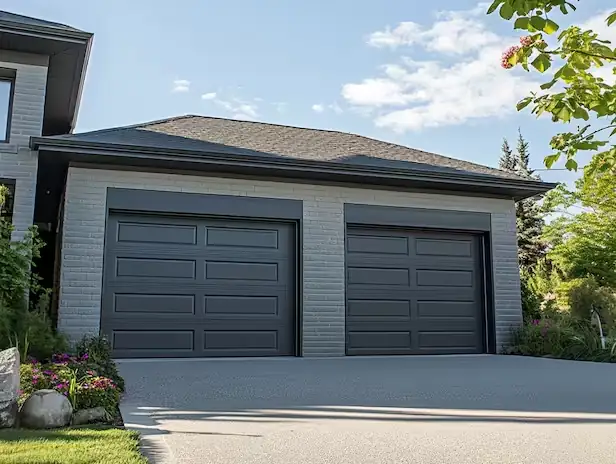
413, 293
180, 287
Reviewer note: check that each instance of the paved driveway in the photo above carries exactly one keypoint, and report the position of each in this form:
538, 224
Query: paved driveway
480, 409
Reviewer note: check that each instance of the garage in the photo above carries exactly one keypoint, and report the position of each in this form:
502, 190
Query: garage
415, 283
195, 287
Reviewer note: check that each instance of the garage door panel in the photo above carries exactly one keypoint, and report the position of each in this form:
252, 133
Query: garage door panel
443, 278
233, 280
439, 308
381, 245
135, 232
379, 308
155, 268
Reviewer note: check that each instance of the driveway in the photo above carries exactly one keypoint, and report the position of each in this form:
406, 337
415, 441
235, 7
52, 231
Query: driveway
477, 409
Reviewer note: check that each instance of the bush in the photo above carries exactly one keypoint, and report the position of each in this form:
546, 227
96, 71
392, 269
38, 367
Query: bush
531, 301
581, 296
24, 305
98, 349
564, 338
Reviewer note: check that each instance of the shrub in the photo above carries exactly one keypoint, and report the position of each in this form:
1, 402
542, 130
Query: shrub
584, 295
98, 391
565, 338
531, 301
98, 349
24, 305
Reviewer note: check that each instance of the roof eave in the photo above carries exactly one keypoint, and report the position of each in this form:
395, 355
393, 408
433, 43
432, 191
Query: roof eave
290, 167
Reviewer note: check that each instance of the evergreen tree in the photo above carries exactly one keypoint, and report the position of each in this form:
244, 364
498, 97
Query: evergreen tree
531, 248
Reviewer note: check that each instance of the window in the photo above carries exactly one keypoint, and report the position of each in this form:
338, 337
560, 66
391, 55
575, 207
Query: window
6, 101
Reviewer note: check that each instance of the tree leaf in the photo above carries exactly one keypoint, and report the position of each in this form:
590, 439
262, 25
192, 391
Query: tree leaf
580, 113
613, 132
564, 114
538, 22
550, 27
548, 85
571, 165
521, 23
542, 63
611, 18
550, 160
523, 103
506, 11
494, 6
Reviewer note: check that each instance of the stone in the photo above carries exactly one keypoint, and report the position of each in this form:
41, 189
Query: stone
91, 416
9, 387
46, 409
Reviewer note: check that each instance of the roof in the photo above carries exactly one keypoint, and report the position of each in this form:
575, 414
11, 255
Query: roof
68, 50
193, 132
6, 16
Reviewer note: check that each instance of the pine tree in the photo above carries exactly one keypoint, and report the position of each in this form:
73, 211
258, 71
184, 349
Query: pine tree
531, 248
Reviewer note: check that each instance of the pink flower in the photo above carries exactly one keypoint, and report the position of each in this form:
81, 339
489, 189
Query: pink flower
526, 41
507, 55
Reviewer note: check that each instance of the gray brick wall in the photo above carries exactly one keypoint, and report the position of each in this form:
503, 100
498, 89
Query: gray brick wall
322, 248
17, 161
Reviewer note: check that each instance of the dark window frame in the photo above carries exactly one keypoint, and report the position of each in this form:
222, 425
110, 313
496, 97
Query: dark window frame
9, 115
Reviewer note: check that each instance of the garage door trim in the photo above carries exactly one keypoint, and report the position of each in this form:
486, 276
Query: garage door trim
433, 220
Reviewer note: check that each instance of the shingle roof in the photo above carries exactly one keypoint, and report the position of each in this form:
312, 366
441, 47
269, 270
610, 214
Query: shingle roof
5, 16
201, 133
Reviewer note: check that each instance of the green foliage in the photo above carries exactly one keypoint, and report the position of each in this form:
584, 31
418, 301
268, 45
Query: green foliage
583, 244
563, 337
531, 300
24, 304
100, 358
581, 95
531, 248
581, 296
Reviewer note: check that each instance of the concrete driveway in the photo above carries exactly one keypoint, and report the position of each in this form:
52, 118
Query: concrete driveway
478, 409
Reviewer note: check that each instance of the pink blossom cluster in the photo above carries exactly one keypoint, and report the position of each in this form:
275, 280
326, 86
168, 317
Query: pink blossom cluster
508, 54
526, 41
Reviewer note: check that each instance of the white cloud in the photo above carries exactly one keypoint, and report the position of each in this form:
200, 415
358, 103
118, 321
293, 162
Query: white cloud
208, 96
440, 91
180, 85
455, 32
318, 108
335, 107
240, 109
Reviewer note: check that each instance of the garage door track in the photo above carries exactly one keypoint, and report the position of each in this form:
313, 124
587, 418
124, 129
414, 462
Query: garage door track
433, 410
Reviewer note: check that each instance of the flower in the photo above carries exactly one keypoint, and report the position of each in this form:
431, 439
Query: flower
507, 55
85, 356
526, 41
535, 322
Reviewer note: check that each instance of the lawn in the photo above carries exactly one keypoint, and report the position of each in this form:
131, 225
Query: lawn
88, 445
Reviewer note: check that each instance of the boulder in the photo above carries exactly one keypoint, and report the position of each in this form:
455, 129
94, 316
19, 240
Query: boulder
9, 387
45, 409
91, 416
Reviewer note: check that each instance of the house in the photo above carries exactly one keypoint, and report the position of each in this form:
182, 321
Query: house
200, 236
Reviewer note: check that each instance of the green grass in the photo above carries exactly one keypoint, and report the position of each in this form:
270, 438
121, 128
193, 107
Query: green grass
87, 445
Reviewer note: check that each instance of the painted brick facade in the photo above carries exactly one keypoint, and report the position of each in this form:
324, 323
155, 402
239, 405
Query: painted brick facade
323, 324
17, 161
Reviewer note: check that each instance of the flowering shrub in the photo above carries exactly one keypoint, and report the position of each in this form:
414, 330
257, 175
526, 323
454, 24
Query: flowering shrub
71, 376
564, 338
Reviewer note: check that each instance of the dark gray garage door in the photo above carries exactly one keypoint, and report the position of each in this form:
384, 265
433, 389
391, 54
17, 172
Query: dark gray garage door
413, 293
195, 287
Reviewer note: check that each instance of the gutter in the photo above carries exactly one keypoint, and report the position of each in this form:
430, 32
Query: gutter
241, 159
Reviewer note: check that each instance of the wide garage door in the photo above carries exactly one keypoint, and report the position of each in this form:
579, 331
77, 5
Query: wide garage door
413, 292
180, 287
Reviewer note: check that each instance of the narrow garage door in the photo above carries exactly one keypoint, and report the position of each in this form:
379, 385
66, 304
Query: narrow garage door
180, 287
413, 293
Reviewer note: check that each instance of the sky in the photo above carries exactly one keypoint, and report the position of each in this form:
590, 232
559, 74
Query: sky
422, 74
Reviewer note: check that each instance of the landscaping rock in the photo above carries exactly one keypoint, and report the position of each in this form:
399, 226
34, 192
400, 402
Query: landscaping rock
91, 416
46, 409
9, 387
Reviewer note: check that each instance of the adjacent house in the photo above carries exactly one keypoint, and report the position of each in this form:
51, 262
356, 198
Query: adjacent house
196, 236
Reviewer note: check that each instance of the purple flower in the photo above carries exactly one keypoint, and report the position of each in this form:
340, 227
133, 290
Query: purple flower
85, 356
535, 322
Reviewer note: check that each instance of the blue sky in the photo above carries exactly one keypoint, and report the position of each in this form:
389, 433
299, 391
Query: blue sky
422, 74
